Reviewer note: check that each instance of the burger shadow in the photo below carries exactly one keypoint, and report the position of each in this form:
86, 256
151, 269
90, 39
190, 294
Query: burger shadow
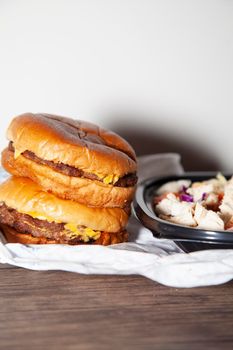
193, 156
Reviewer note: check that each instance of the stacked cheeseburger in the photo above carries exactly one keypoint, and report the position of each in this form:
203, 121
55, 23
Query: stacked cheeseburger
73, 182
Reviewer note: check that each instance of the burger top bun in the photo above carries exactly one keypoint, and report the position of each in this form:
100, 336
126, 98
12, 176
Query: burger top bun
75, 143
27, 197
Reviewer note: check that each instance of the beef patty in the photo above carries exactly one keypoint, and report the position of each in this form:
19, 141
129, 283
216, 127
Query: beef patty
128, 180
24, 223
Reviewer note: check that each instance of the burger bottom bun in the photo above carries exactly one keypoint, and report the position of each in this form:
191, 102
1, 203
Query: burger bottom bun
85, 191
12, 236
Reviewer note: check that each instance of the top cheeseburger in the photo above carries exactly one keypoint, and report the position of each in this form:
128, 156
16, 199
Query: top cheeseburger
73, 159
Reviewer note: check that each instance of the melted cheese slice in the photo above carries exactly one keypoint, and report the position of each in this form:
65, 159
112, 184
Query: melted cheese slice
108, 179
85, 232
17, 153
40, 216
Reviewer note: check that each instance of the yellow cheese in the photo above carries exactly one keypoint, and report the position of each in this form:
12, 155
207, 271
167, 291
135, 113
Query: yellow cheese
110, 179
71, 227
17, 153
91, 233
107, 179
39, 216
85, 232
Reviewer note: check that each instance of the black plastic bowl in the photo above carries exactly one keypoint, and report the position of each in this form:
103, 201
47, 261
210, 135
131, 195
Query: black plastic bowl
187, 238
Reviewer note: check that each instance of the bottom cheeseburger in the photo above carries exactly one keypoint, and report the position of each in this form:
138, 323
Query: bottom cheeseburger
31, 216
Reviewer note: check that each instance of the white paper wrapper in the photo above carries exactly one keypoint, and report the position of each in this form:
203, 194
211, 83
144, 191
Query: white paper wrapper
157, 259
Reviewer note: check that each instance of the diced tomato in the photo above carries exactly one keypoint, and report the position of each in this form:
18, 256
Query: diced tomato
220, 197
215, 206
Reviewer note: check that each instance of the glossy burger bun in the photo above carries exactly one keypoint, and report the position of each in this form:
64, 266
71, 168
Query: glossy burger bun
12, 236
85, 191
75, 143
27, 197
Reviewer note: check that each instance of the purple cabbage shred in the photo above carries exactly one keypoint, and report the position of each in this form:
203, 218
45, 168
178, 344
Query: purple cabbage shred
186, 197
204, 195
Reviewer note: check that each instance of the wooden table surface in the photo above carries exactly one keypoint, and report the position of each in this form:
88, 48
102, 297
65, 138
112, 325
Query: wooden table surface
61, 310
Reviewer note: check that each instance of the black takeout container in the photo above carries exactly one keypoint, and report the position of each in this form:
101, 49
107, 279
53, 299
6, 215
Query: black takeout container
187, 238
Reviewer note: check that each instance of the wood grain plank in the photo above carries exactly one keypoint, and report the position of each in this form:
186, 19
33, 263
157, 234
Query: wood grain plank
60, 310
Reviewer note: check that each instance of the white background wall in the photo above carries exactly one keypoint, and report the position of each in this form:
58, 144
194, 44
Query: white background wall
160, 72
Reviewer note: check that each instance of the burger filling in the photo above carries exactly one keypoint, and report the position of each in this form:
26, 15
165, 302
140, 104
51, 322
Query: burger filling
40, 226
128, 180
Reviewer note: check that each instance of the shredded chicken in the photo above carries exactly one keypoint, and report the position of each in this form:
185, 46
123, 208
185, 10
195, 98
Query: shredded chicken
206, 204
179, 212
226, 207
207, 218
173, 186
